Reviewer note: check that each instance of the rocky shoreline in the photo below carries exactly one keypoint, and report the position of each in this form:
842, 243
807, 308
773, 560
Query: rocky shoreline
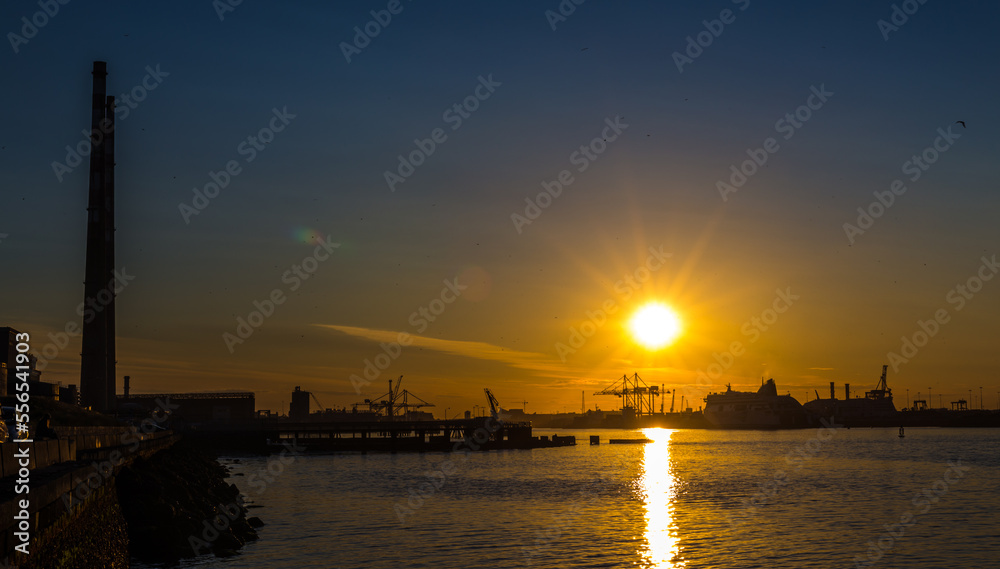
177, 504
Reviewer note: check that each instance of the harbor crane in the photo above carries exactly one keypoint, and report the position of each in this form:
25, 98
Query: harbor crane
495, 408
882, 390
313, 395
396, 403
635, 394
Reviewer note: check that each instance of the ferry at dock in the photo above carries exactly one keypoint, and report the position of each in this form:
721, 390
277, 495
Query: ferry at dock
763, 409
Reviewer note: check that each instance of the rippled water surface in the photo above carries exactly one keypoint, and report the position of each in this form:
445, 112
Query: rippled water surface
796, 499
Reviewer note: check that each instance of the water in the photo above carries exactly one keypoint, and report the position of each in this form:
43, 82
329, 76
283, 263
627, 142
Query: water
796, 499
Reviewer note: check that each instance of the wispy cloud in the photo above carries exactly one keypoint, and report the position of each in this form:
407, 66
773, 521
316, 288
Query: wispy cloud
823, 368
540, 363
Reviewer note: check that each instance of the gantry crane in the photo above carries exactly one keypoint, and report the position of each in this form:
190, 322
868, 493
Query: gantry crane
394, 404
635, 394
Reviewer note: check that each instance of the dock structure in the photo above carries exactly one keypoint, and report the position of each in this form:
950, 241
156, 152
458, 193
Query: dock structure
476, 434
437, 435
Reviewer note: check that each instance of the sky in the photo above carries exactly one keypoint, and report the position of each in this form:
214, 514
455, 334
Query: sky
499, 186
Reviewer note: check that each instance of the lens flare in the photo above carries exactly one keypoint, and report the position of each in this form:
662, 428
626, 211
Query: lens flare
307, 235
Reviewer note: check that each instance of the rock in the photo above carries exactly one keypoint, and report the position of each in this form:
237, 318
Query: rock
178, 504
225, 552
227, 541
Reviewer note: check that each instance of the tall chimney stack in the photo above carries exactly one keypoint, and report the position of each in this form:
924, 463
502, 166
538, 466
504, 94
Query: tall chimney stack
97, 380
847, 391
833, 395
109, 247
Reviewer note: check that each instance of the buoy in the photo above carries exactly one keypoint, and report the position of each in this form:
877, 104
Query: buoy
901, 435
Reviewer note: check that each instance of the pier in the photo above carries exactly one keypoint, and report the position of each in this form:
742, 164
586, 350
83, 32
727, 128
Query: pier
386, 436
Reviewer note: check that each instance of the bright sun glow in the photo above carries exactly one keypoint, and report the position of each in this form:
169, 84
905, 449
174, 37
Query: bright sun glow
655, 325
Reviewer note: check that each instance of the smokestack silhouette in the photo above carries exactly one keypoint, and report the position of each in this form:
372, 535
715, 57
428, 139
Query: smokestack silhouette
109, 245
97, 366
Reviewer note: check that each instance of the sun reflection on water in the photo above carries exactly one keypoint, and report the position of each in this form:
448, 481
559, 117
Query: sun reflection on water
659, 487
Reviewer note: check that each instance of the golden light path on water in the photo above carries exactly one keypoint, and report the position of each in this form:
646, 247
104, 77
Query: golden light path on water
659, 488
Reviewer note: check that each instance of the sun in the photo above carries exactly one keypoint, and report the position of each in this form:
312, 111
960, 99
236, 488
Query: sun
655, 325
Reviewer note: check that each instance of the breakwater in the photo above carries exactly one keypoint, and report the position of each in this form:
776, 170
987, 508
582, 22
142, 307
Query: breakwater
177, 504
103, 496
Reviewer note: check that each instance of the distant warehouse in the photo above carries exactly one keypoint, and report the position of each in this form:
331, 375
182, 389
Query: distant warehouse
221, 407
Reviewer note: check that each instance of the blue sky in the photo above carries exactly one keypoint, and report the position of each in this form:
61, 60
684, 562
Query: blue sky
653, 186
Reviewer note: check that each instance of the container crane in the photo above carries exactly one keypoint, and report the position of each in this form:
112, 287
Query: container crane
635, 394
396, 403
